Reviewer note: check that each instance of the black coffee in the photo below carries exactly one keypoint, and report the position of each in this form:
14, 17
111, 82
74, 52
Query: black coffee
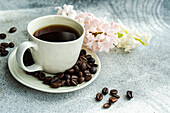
56, 33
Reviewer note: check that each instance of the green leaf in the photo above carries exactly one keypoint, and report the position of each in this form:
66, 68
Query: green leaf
140, 40
119, 35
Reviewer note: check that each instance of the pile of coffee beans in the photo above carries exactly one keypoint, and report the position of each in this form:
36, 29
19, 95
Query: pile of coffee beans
5, 45
114, 96
80, 72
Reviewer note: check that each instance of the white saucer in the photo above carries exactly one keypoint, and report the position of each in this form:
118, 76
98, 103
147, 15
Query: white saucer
34, 83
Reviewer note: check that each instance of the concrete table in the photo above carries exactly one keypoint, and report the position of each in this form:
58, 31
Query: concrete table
146, 70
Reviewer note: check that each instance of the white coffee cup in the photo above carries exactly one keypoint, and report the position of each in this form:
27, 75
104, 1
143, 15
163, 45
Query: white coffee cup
51, 57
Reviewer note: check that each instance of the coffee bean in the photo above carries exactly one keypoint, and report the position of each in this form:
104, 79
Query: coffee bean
4, 53
67, 76
83, 66
11, 45
88, 77
117, 96
80, 74
74, 82
68, 82
63, 82
76, 68
2, 35
41, 76
82, 52
129, 94
5, 44
88, 66
79, 63
71, 71
47, 80
107, 105
12, 30
95, 65
91, 60
27, 59
105, 91
29, 73
112, 99
113, 92
88, 56
36, 73
93, 70
54, 79
81, 80
83, 59
61, 75
74, 77
2, 49
56, 85
99, 96
86, 73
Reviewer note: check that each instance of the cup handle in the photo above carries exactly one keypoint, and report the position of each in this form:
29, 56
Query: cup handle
20, 54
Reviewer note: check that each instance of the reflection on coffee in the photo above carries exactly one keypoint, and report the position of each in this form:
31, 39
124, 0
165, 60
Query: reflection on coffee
57, 33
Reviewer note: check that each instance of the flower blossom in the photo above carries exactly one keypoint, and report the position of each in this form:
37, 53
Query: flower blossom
101, 35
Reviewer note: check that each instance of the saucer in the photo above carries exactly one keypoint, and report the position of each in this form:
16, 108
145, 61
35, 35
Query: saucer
32, 82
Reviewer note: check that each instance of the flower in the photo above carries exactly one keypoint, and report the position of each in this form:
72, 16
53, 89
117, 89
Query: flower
66, 11
101, 35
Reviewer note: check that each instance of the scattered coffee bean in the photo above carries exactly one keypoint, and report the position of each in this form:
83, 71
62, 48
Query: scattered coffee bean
4, 53
83, 66
71, 71
47, 80
74, 77
61, 75
35, 74
88, 77
63, 82
67, 76
27, 59
5, 45
88, 56
99, 96
2, 49
11, 45
41, 76
82, 52
12, 30
91, 60
54, 79
113, 92
80, 74
74, 82
2, 35
117, 96
95, 65
81, 80
88, 66
107, 105
68, 82
112, 99
129, 94
105, 91
93, 70
76, 68
56, 85
86, 72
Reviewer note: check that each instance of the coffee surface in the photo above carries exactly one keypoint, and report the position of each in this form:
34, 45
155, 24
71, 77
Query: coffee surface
56, 33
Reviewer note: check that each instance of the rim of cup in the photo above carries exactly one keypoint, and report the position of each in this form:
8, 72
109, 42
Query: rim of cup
59, 16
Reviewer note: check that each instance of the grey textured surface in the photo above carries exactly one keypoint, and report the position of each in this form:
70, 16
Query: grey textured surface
146, 70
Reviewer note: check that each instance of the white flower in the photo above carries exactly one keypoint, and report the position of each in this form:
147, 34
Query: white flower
67, 11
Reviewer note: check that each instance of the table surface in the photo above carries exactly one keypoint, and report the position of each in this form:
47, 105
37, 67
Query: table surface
145, 71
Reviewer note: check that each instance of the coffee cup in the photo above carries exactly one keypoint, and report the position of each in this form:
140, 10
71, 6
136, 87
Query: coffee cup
51, 57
